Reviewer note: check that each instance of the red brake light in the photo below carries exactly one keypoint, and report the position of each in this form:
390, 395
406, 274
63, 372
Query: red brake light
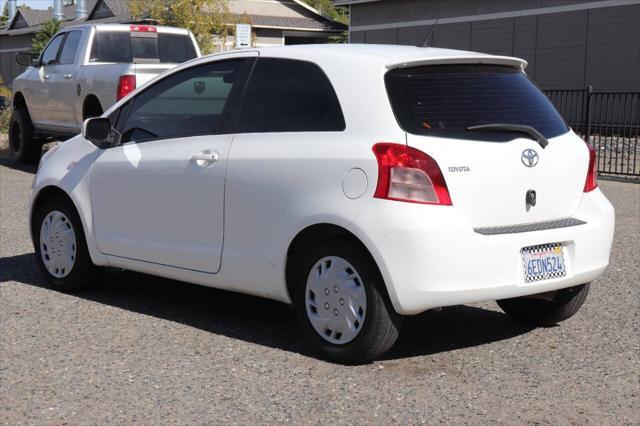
126, 84
143, 28
592, 174
407, 174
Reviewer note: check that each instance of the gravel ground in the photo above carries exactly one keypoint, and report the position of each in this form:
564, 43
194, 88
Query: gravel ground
137, 349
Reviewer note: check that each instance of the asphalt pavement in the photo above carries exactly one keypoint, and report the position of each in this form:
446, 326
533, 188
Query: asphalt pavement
139, 349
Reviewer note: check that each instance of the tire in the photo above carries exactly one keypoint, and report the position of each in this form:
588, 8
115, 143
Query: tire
373, 333
91, 108
537, 311
54, 250
24, 146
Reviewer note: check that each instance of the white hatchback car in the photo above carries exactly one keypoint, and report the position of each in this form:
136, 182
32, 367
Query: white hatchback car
360, 183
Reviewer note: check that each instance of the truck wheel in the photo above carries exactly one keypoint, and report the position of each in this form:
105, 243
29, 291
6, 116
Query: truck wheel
23, 145
546, 311
91, 108
341, 305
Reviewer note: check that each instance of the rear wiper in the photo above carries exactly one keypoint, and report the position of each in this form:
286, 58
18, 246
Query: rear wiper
521, 128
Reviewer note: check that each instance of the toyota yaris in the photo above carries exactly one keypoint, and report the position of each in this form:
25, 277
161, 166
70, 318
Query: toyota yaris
359, 183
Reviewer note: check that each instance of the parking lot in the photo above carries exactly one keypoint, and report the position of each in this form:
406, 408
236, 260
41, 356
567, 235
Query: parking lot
138, 349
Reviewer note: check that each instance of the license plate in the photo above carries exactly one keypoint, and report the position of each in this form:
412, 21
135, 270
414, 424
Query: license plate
543, 262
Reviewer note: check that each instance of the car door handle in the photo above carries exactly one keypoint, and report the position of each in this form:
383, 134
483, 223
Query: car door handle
205, 158
67, 76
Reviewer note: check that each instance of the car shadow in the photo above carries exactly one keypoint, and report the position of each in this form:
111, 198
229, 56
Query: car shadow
264, 322
7, 160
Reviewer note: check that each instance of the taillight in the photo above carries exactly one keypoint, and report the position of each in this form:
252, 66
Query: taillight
126, 85
407, 174
143, 28
592, 175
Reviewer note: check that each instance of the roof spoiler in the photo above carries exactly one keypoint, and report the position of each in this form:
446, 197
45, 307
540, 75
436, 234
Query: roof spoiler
517, 63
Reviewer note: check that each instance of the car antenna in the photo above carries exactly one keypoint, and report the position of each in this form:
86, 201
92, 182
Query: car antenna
431, 29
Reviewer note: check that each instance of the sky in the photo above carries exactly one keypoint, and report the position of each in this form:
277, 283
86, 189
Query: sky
34, 4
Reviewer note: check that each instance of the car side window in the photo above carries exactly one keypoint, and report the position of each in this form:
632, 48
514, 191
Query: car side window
70, 48
50, 54
117, 117
121, 117
286, 95
189, 103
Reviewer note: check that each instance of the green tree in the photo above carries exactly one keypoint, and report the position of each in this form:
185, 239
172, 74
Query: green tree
4, 18
326, 8
339, 14
48, 30
203, 18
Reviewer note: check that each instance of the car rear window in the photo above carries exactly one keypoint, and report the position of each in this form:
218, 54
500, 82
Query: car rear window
124, 46
447, 99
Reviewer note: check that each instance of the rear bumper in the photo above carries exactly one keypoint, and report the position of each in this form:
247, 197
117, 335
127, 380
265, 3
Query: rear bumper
434, 258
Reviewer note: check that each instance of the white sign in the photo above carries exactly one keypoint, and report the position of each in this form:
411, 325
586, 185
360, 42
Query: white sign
243, 36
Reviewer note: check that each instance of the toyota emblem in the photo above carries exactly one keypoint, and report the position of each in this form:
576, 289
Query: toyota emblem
529, 158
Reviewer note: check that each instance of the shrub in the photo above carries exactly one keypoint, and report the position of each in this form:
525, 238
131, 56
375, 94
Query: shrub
5, 116
5, 92
5, 111
46, 33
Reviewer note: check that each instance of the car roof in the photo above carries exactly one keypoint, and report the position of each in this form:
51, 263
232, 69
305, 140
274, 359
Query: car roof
390, 56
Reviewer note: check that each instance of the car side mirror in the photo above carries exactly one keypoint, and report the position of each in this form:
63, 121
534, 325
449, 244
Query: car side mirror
27, 59
97, 130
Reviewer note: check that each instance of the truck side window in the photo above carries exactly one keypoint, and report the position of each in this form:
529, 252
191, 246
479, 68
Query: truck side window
70, 48
51, 52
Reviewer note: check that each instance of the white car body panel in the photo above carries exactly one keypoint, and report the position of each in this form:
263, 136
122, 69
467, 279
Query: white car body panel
274, 185
68, 167
436, 259
169, 208
492, 192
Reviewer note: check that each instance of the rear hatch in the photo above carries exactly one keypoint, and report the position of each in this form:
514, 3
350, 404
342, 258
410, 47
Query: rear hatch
490, 171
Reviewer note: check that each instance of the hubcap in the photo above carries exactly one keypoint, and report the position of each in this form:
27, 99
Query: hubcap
336, 300
57, 244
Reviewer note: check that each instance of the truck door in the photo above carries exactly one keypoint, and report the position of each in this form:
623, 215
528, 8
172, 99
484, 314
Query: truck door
64, 84
39, 97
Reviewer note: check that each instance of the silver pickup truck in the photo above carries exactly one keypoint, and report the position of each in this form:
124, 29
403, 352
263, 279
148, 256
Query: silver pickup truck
82, 72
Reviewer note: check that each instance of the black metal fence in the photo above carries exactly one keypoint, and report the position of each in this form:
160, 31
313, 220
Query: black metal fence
610, 121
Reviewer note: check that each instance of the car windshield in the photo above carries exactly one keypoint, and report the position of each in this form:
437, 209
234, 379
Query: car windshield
449, 99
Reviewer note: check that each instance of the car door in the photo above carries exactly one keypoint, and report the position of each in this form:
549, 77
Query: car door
158, 196
40, 98
63, 83
290, 154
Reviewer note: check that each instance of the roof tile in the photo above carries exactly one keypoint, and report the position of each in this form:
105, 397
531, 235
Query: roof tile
320, 23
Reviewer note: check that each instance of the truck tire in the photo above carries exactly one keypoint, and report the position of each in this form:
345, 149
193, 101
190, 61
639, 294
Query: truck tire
91, 108
532, 311
23, 145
